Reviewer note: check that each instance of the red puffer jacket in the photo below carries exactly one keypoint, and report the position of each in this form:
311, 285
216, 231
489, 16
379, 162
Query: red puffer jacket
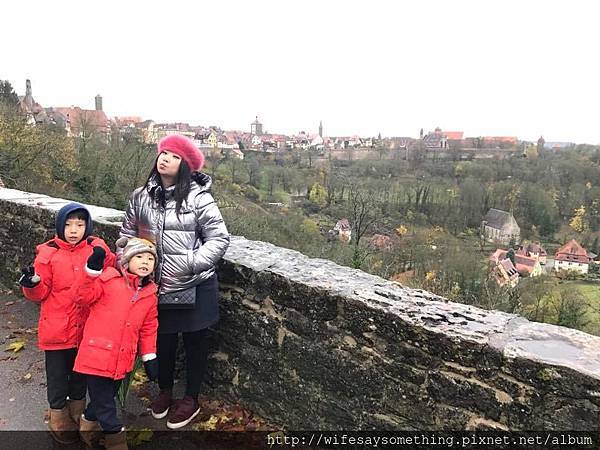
58, 263
123, 314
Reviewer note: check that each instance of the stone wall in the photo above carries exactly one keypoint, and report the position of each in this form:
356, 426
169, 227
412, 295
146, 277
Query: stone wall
313, 345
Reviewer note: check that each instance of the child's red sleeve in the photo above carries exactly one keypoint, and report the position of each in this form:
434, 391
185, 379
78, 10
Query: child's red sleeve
43, 269
88, 289
148, 331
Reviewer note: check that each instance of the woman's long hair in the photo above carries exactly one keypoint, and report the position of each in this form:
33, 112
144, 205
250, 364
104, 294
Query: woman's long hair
182, 184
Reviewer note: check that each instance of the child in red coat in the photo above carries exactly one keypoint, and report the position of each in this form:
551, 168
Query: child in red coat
50, 282
123, 321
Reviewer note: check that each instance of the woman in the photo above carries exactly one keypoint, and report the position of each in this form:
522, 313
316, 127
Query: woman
175, 210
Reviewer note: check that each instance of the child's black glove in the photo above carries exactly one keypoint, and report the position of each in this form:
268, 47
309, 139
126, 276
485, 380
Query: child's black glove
151, 368
29, 279
96, 259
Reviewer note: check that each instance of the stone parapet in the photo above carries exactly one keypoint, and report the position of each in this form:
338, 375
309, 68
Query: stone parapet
314, 345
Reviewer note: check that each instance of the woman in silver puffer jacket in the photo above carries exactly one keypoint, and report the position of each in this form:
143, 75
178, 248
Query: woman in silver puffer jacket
175, 210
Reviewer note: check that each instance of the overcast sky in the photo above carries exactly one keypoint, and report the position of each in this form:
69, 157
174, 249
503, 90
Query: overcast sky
524, 68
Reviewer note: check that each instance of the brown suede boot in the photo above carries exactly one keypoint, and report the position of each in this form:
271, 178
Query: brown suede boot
62, 428
116, 441
76, 408
90, 432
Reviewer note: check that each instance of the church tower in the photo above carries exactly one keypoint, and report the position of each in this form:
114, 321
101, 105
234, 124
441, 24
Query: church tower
256, 128
321, 128
28, 100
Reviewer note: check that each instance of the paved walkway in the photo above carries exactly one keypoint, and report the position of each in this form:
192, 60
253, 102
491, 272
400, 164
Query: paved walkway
23, 401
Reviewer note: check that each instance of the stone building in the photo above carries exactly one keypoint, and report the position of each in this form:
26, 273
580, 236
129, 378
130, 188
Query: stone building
500, 227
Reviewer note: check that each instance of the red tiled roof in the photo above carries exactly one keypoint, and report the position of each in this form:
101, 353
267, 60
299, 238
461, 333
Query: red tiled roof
572, 251
509, 267
126, 120
510, 139
522, 262
532, 247
85, 117
454, 135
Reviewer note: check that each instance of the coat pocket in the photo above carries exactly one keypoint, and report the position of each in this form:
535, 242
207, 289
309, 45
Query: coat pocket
97, 353
53, 329
126, 360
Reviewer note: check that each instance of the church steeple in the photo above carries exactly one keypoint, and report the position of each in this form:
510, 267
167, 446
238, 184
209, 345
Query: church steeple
256, 127
28, 100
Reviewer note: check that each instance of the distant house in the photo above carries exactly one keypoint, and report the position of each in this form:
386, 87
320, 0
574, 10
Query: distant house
533, 250
317, 142
440, 139
212, 139
149, 134
500, 227
256, 141
344, 230
505, 273
82, 122
523, 264
573, 256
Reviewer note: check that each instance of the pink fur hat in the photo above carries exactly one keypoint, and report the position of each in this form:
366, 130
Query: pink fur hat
184, 147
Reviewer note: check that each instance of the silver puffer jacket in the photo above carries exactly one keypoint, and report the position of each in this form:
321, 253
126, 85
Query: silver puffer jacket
188, 246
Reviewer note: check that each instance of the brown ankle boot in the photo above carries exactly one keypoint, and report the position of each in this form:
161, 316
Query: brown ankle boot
76, 408
90, 432
62, 428
116, 441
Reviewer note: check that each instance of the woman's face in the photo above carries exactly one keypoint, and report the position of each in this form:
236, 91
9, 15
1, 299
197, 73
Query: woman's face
168, 164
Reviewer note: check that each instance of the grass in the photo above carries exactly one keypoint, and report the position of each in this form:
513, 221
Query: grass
591, 292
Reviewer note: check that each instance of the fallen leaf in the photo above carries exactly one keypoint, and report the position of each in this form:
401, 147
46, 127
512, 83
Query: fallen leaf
138, 437
15, 346
9, 303
209, 425
223, 418
27, 377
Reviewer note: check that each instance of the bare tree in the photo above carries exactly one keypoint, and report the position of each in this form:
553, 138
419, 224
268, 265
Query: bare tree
364, 212
253, 170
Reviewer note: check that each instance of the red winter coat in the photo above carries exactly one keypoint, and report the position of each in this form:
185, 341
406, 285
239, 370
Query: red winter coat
58, 263
122, 315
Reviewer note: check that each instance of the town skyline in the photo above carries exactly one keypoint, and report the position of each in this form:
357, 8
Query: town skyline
131, 119
493, 69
